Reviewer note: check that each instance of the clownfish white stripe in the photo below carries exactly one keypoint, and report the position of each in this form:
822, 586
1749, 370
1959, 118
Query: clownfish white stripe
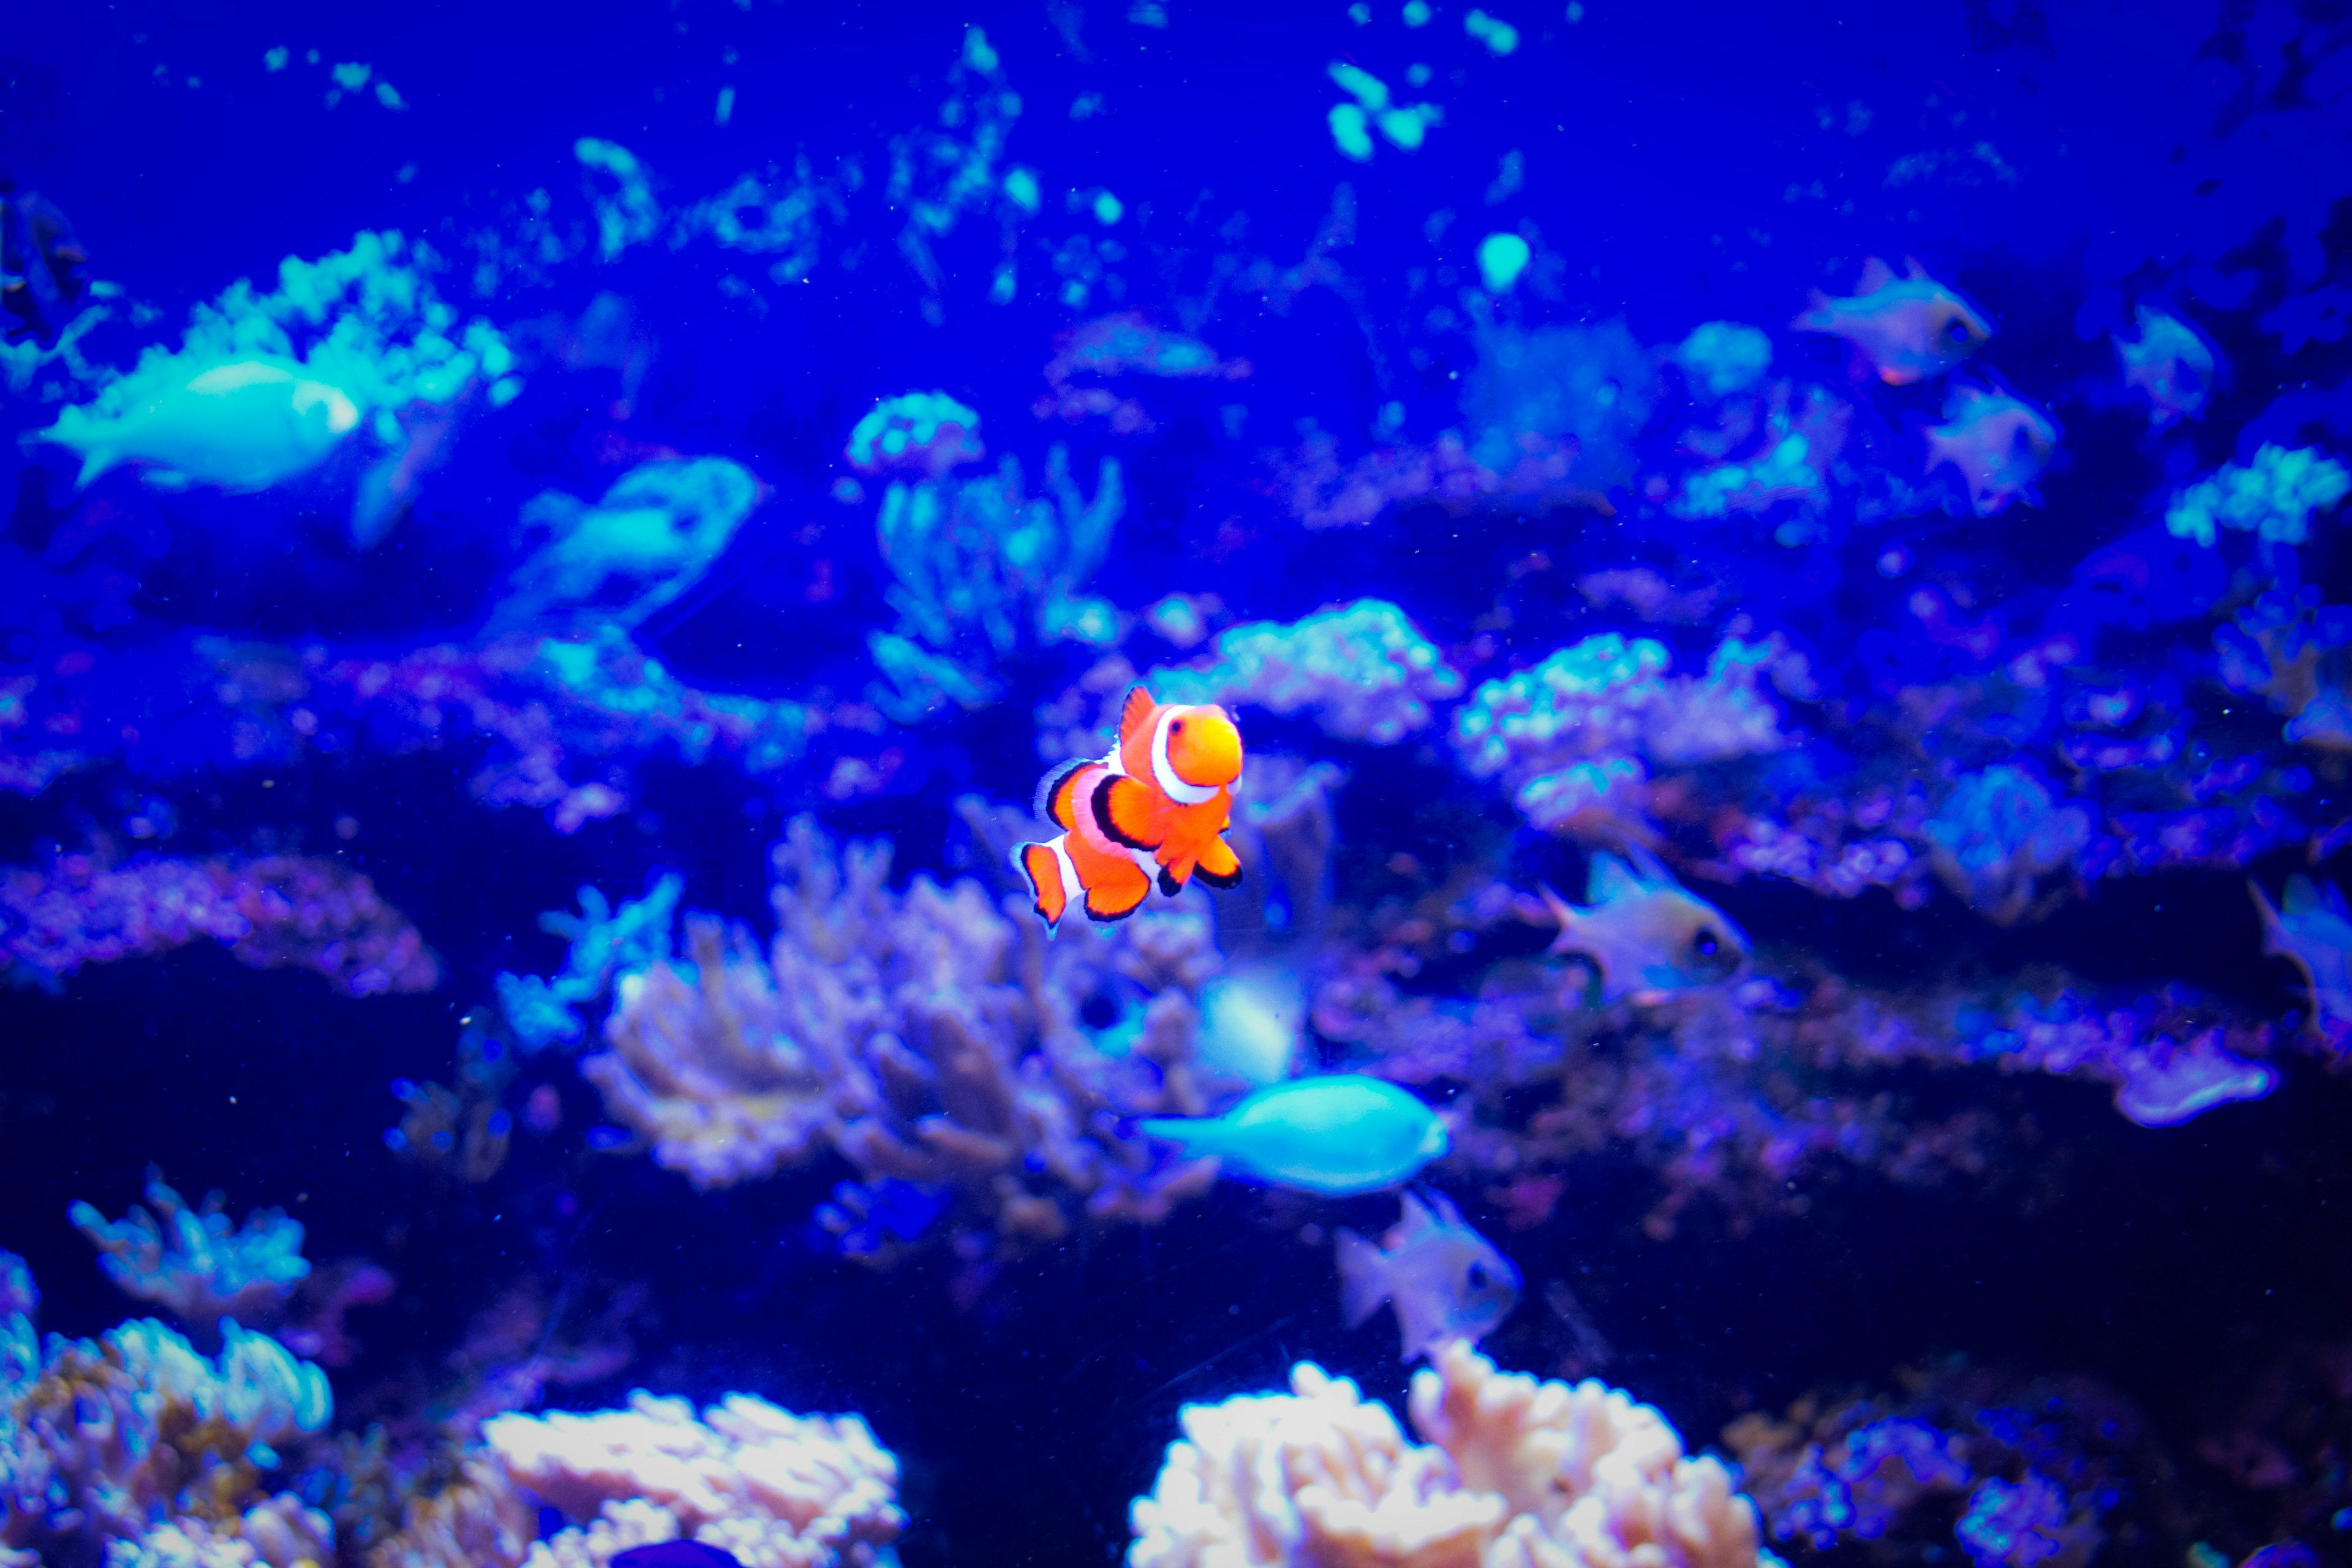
1073, 889
1165, 776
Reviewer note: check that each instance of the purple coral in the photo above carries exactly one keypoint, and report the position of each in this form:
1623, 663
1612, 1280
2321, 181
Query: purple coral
274, 910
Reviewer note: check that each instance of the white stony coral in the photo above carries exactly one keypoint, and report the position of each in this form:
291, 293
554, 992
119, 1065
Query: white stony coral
778, 1490
1517, 1474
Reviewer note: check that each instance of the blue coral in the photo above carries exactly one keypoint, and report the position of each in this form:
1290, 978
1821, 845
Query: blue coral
604, 942
197, 1261
1999, 834
2274, 497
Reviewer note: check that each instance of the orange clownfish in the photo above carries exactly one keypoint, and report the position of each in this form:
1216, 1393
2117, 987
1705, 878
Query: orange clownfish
1149, 810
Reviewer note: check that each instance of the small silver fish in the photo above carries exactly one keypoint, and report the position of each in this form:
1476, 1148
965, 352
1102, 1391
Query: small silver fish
2314, 933
1650, 935
1445, 1280
1996, 442
1908, 328
2171, 363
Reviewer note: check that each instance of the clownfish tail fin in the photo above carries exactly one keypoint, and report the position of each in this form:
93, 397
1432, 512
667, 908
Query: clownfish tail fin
1117, 899
1051, 879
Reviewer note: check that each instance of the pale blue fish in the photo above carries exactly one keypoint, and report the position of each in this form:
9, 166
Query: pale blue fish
654, 534
2171, 363
2314, 930
1445, 1280
243, 425
1908, 328
1996, 442
1649, 935
1335, 1134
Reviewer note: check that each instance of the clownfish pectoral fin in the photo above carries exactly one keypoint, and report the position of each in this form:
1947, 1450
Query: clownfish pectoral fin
1129, 811
1218, 865
1135, 714
1053, 880
1171, 884
1053, 792
1118, 894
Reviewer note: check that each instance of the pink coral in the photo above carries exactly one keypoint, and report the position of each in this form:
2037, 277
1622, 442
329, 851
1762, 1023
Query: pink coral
1515, 1474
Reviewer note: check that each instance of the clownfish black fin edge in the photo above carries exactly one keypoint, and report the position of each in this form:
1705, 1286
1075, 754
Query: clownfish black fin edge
1106, 809
1220, 880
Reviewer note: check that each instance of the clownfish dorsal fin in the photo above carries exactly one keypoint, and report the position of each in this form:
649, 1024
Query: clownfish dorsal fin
1875, 275
1136, 714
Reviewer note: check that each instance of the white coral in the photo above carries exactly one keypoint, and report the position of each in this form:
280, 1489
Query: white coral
1517, 1474
778, 1490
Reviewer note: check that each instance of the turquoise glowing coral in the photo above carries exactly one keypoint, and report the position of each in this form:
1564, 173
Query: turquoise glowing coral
1363, 672
2275, 496
197, 1261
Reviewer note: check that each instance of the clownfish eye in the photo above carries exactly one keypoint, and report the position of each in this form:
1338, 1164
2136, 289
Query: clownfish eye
1957, 329
1705, 945
1479, 1278
1176, 726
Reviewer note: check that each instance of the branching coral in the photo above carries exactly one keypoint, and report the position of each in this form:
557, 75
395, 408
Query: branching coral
775, 1490
985, 570
270, 911
2274, 497
924, 1036
133, 1442
197, 1262
602, 942
1514, 1474
1362, 671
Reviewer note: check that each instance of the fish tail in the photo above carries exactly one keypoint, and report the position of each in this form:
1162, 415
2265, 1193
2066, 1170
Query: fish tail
1363, 1277
1053, 880
95, 460
1197, 1134
2273, 930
